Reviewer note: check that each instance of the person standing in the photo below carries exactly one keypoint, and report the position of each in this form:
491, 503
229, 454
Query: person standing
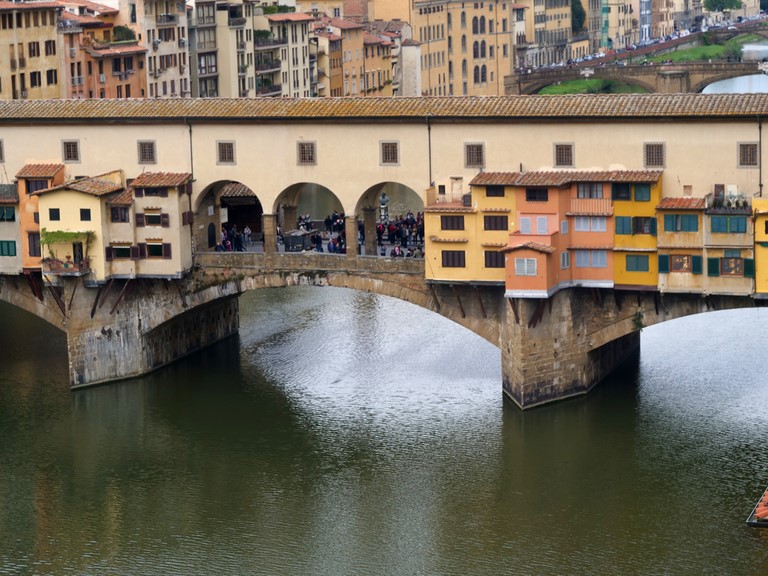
247, 235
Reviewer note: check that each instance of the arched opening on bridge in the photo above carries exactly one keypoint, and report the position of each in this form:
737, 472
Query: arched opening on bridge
226, 204
302, 199
388, 203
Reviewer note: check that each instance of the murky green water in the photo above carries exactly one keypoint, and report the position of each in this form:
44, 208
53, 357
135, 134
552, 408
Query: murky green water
345, 433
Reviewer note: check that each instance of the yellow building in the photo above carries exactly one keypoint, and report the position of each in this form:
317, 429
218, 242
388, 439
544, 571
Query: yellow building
760, 207
634, 208
681, 244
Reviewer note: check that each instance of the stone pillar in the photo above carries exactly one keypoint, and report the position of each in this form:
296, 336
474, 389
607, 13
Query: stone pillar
269, 226
350, 227
369, 222
290, 216
546, 351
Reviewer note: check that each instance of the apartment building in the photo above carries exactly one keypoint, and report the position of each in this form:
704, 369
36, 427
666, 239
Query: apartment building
330, 71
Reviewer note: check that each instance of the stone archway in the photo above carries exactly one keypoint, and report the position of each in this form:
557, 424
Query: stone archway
226, 203
401, 201
306, 198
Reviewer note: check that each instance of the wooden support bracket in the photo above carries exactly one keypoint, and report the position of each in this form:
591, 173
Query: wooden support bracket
120, 297
538, 314
513, 305
434, 295
458, 299
480, 300
106, 292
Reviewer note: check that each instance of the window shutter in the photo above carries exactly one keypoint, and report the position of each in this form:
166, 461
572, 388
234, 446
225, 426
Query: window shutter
697, 264
108, 252
669, 222
134, 252
138, 192
163, 192
139, 220
191, 218
632, 225
165, 220
713, 266
663, 263
749, 268
184, 218
167, 251
653, 226
142, 250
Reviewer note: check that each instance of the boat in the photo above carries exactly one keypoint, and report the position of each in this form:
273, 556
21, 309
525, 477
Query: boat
759, 516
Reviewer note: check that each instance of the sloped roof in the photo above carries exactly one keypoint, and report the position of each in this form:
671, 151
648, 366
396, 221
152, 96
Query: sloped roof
681, 204
9, 194
39, 170
530, 246
125, 198
236, 190
95, 186
161, 179
563, 177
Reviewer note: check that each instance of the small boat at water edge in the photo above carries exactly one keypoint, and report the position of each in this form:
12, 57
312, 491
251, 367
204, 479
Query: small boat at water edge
759, 516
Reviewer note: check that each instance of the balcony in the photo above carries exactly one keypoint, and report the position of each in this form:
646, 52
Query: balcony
274, 90
166, 19
730, 202
242, 69
236, 22
240, 46
590, 207
77, 80
205, 46
268, 43
53, 266
206, 21
268, 66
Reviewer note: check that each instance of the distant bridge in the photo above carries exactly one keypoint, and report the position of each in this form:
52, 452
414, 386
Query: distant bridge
661, 78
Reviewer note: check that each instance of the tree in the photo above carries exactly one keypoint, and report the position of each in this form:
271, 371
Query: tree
123, 33
721, 5
578, 15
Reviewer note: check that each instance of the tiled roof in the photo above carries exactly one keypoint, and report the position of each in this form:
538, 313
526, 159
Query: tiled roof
681, 204
125, 198
345, 24
9, 194
236, 190
563, 177
39, 170
530, 246
80, 18
161, 179
5, 5
92, 6
94, 186
289, 17
116, 50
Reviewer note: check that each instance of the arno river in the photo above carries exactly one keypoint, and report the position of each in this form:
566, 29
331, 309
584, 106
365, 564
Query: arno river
345, 433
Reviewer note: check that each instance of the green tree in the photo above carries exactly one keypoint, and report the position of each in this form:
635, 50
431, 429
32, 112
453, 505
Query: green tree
721, 5
732, 50
123, 33
578, 15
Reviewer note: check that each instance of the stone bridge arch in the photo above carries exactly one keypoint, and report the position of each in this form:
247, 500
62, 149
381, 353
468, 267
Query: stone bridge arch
310, 198
18, 291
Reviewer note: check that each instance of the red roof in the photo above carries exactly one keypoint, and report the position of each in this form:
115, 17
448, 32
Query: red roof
563, 177
290, 17
681, 204
39, 170
161, 179
530, 246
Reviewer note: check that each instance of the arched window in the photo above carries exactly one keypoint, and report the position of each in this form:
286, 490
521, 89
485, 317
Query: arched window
475, 50
477, 75
475, 27
482, 49
450, 45
464, 68
463, 19
482, 24
449, 20
463, 44
483, 75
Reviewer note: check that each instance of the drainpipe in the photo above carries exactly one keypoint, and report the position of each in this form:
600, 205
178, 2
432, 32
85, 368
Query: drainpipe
191, 157
429, 144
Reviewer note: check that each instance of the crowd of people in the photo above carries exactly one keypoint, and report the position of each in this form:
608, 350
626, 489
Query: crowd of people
233, 240
405, 234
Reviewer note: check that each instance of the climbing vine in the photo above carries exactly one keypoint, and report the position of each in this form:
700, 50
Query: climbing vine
48, 237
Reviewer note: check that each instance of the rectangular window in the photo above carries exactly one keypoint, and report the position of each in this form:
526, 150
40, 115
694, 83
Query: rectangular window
582, 258
654, 155
494, 191
643, 225
621, 191
732, 266
453, 258
2, 152
581, 224
563, 155
494, 259
623, 225
525, 266
589, 190
85, 214
680, 263
496, 223
390, 153
52, 77
452, 222
536, 195
637, 263
306, 153
7, 214
152, 218
599, 259
747, 155
54, 214
119, 214
225, 152
565, 260
474, 156
525, 225
728, 224
7, 248
34, 244
121, 252
70, 151
642, 192
147, 152
542, 225
681, 223
564, 227
35, 79
35, 185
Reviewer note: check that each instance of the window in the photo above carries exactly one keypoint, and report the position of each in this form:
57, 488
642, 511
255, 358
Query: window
729, 224
590, 224
564, 227
225, 152
494, 259
731, 266
70, 151
644, 225
152, 218
536, 195
599, 259
591, 258
54, 214
494, 191
35, 79
747, 155
119, 214
147, 152
34, 244
50, 47
525, 224
7, 214
680, 263
654, 155
525, 266
35, 185
589, 190
563, 155
637, 263
542, 225
2, 152
52, 77
453, 259
496, 223
7, 248
642, 192
620, 191
306, 153
389, 153
85, 214
582, 259
119, 252
623, 225
474, 156
681, 223
565, 260
155, 249
452, 222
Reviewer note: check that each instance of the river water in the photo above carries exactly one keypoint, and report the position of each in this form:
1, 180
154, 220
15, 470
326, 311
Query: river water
348, 433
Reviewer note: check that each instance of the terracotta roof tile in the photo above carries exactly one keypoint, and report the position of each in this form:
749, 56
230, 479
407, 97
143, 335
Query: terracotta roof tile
495, 179
95, 186
116, 50
161, 179
39, 170
563, 177
125, 198
530, 246
289, 17
681, 204
9, 194
236, 190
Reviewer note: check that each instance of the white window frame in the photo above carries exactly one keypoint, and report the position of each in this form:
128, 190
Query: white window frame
525, 225
565, 260
564, 227
582, 259
542, 225
581, 224
525, 266
599, 259
598, 223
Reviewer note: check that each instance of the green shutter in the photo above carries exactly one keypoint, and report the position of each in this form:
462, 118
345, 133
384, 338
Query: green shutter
749, 268
713, 266
653, 226
663, 263
696, 264
669, 222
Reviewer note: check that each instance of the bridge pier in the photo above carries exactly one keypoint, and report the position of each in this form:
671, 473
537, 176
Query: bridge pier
350, 229
369, 222
269, 226
549, 349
